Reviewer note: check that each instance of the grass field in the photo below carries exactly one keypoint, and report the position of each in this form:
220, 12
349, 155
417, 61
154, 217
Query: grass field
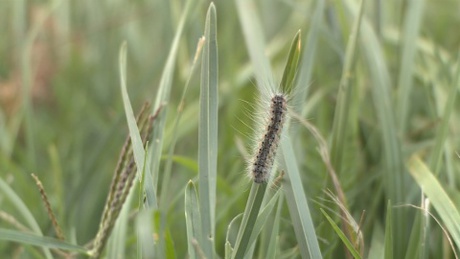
367, 164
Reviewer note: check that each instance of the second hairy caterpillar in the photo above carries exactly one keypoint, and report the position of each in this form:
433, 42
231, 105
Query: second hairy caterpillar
265, 152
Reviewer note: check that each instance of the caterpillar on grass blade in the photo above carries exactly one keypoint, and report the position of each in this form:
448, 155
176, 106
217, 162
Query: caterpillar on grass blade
274, 116
265, 152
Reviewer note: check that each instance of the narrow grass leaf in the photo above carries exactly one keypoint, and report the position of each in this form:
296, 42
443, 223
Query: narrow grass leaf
416, 238
342, 236
164, 195
36, 240
298, 205
342, 121
162, 98
17, 202
308, 56
412, 24
255, 43
394, 182
192, 220
136, 140
207, 132
144, 233
262, 218
233, 228
443, 130
251, 212
377, 246
295, 194
446, 208
389, 253
273, 243
292, 62
228, 250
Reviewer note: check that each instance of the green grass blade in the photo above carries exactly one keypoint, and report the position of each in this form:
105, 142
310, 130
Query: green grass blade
181, 109
136, 140
36, 240
389, 253
228, 250
251, 212
444, 205
413, 20
308, 56
162, 98
298, 205
192, 220
342, 121
17, 202
255, 43
207, 132
416, 238
377, 247
262, 218
144, 232
443, 130
273, 243
291, 65
393, 180
342, 236
233, 227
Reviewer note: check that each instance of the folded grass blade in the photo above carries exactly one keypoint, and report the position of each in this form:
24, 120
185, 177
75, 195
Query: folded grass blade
207, 132
444, 205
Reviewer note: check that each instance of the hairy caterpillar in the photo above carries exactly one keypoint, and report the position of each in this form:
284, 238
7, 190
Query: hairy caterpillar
265, 152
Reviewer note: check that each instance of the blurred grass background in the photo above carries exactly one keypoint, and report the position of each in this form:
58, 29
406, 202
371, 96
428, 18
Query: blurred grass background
62, 115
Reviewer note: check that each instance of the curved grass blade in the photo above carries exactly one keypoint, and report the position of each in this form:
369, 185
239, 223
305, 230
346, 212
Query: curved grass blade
207, 132
448, 212
17, 202
124, 173
232, 228
136, 140
36, 240
342, 236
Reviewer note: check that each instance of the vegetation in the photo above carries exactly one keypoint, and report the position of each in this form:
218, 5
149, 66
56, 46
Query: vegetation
366, 167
